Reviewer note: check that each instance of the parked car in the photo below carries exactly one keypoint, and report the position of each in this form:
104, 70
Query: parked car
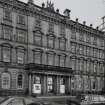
21, 101
93, 100
73, 102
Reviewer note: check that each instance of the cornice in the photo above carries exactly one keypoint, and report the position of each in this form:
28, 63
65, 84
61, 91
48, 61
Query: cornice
34, 10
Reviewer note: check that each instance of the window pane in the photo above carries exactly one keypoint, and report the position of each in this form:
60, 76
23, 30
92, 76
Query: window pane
5, 80
73, 47
7, 15
81, 37
73, 64
62, 30
81, 49
37, 57
62, 45
88, 39
7, 32
50, 59
20, 81
21, 36
20, 57
21, 19
51, 27
37, 40
37, 80
6, 54
50, 84
62, 61
73, 35
51, 42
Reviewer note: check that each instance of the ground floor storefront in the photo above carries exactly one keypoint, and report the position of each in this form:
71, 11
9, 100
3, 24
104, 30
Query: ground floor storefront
44, 80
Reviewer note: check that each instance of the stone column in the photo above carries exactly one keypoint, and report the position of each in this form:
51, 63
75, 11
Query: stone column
69, 84
57, 85
30, 84
44, 85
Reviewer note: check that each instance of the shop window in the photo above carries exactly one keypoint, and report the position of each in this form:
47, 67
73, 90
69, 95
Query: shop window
5, 78
72, 83
20, 81
36, 84
37, 80
62, 81
50, 85
62, 85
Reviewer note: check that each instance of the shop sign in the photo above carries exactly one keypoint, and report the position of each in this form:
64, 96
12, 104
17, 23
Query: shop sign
62, 89
37, 88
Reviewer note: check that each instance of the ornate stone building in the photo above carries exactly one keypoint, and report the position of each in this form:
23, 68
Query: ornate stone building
44, 52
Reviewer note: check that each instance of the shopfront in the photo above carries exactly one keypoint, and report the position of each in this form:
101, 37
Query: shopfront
49, 81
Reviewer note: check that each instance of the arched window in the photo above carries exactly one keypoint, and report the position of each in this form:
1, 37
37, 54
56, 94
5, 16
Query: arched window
5, 78
20, 81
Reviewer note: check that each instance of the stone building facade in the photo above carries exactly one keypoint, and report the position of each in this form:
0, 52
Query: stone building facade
43, 52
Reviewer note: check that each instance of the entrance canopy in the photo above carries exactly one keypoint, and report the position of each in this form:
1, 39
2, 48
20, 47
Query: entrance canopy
33, 68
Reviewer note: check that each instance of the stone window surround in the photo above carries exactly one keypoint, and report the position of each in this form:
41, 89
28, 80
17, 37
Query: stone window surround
17, 86
6, 45
20, 49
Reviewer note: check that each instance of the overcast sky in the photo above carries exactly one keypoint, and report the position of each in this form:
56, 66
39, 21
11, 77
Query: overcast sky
90, 11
